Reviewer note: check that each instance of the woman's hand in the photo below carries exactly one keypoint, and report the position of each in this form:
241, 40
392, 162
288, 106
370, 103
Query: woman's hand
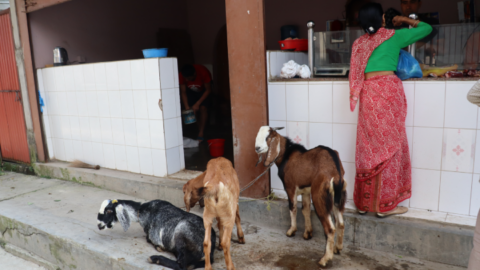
398, 20
353, 102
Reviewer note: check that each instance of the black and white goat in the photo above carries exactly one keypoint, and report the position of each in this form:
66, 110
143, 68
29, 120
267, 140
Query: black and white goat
168, 228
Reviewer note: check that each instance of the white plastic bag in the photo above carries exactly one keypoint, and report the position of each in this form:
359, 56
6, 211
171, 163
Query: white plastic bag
289, 70
190, 143
304, 72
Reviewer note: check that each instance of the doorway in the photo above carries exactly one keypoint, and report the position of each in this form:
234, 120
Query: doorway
219, 123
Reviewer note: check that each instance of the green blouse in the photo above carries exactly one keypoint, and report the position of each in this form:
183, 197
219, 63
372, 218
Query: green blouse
385, 56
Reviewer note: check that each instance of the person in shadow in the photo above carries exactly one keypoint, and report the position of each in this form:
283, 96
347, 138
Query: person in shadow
195, 88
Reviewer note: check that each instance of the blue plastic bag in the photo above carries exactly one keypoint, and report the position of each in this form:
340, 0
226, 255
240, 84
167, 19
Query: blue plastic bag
40, 101
408, 66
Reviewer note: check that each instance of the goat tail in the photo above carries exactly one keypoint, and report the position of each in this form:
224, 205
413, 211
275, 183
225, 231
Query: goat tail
339, 190
211, 189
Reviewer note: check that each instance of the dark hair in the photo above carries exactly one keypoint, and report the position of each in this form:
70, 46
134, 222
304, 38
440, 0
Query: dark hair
389, 15
187, 70
370, 17
351, 10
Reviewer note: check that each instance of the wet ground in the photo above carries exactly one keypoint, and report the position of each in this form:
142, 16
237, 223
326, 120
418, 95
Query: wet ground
271, 249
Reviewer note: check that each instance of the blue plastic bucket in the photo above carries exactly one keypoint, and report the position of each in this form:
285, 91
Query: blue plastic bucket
152, 53
188, 117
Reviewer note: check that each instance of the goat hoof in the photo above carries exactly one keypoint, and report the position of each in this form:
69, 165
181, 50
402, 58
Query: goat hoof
323, 262
307, 235
336, 250
153, 260
159, 249
241, 240
291, 234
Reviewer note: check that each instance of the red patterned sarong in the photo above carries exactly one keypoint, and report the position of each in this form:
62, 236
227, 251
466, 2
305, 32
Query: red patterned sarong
383, 176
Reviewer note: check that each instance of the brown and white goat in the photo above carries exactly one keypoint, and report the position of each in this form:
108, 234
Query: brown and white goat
219, 188
318, 172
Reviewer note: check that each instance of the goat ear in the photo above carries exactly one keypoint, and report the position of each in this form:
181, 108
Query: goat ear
187, 198
278, 128
273, 151
123, 217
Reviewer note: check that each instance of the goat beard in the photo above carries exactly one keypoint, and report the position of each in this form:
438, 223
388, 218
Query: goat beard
261, 157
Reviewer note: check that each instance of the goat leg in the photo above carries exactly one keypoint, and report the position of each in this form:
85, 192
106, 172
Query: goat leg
307, 235
330, 233
292, 203
207, 242
340, 225
227, 235
220, 232
241, 238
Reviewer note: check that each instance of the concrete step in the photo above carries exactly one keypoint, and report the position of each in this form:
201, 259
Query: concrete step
54, 221
24, 259
426, 240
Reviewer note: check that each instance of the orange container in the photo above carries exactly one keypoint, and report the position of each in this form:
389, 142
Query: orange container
216, 147
298, 45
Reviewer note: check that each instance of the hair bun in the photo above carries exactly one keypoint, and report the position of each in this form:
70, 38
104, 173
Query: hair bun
371, 30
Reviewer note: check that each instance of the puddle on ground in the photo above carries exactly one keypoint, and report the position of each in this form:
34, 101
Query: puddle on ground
250, 229
292, 262
299, 261
350, 260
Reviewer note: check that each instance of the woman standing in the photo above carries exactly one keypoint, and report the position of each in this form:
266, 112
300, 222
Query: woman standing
383, 176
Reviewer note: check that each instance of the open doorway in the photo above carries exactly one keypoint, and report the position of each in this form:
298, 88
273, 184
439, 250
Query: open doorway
219, 122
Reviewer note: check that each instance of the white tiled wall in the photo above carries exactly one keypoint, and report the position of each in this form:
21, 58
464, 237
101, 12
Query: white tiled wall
276, 59
109, 114
443, 130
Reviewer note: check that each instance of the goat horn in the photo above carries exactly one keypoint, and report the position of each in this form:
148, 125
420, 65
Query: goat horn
278, 128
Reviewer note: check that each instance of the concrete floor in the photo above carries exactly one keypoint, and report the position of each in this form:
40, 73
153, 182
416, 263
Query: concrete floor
10, 262
272, 249
72, 208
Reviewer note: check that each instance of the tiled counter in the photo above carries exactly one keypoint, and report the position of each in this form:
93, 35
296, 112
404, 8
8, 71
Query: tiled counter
443, 131
109, 114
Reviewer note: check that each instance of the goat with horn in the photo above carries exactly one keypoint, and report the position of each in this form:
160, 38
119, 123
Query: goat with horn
318, 173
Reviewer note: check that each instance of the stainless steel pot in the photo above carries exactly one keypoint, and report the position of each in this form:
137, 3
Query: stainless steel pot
60, 56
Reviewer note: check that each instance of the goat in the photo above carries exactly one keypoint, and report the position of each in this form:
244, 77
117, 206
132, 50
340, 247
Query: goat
219, 188
167, 227
318, 172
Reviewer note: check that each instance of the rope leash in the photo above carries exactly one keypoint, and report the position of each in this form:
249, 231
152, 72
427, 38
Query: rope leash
256, 179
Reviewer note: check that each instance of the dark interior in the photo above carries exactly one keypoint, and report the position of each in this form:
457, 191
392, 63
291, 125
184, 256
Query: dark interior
219, 123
